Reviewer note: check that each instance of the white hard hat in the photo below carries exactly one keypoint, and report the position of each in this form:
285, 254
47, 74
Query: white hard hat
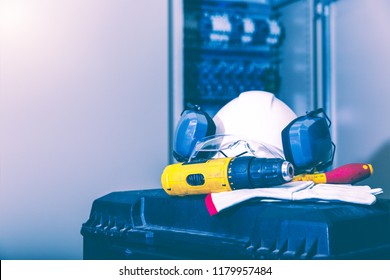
255, 115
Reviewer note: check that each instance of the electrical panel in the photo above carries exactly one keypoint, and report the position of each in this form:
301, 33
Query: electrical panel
229, 47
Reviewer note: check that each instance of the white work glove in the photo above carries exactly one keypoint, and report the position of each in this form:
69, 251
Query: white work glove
301, 190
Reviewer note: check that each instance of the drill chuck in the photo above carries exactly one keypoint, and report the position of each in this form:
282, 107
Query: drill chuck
225, 174
252, 172
287, 171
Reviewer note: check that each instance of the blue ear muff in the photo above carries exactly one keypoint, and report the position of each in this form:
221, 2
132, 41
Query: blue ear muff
307, 143
193, 125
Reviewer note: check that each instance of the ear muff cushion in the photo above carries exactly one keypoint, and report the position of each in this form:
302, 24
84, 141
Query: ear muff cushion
307, 142
193, 125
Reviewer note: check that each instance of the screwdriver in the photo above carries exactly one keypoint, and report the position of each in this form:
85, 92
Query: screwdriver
345, 174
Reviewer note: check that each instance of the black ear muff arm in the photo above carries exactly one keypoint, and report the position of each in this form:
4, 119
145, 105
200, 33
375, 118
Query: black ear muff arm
317, 113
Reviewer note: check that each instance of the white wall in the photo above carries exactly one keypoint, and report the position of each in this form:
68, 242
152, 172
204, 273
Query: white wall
84, 112
361, 66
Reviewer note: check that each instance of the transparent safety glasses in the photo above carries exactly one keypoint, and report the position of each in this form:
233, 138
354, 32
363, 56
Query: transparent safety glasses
226, 145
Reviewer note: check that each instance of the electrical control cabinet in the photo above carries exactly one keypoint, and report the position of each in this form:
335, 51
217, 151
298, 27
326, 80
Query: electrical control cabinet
222, 48
229, 47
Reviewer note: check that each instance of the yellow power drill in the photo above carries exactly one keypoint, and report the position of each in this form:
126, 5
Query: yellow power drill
225, 174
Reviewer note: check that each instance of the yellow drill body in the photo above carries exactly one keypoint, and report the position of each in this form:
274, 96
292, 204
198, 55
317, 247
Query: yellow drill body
196, 178
225, 174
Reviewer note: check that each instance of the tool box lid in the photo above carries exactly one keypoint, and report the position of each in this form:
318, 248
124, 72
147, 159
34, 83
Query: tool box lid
181, 227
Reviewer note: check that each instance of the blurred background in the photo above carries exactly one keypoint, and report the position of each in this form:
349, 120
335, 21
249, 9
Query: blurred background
90, 91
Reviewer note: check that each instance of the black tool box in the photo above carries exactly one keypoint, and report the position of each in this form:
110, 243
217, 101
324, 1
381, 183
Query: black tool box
149, 224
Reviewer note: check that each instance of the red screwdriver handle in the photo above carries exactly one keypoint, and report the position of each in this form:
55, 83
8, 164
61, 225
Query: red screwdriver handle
349, 173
